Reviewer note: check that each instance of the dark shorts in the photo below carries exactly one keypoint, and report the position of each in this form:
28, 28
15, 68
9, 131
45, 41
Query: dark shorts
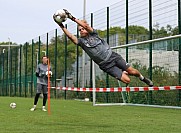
42, 88
115, 66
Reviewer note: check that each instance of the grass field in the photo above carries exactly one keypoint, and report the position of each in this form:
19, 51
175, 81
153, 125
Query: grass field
81, 117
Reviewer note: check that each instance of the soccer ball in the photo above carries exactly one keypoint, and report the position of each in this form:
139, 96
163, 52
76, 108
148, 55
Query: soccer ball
86, 99
12, 105
60, 16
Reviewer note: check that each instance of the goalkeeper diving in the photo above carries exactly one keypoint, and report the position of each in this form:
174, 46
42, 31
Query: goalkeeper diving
100, 52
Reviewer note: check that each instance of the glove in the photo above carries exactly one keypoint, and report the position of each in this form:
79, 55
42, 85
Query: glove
59, 23
37, 74
69, 15
50, 72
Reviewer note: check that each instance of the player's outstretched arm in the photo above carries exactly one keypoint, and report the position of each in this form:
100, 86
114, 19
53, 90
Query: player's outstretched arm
69, 35
79, 22
84, 25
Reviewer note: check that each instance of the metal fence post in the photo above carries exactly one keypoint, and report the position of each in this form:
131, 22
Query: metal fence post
65, 66
3, 74
20, 87
7, 77
32, 53
107, 76
91, 71
10, 89
150, 47
47, 46
15, 72
26, 65
179, 28
39, 43
55, 72
127, 28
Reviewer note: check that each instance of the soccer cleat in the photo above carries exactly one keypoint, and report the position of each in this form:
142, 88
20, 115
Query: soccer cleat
32, 109
148, 82
43, 109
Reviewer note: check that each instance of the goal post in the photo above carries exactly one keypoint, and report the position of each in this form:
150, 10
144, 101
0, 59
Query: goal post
165, 72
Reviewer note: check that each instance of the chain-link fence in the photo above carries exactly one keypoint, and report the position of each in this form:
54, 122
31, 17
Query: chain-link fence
122, 23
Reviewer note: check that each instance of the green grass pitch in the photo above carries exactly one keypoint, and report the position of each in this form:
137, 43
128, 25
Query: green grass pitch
69, 116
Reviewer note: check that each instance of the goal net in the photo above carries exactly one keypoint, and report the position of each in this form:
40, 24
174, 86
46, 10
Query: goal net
157, 59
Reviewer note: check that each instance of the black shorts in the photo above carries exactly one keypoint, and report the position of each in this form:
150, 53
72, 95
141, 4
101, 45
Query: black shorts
115, 65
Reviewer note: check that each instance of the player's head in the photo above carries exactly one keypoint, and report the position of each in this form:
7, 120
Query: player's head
83, 32
44, 59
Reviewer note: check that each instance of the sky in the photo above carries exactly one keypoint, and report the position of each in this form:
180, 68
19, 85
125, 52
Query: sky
23, 20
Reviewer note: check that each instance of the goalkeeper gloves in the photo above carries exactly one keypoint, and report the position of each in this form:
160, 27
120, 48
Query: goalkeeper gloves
59, 23
69, 15
50, 72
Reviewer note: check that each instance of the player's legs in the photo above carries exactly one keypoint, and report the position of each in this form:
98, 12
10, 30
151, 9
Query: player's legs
45, 91
125, 78
132, 71
135, 72
36, 98
116, 66
118, 74
44, 99
38, 92
123, 75
35, 101
122, 64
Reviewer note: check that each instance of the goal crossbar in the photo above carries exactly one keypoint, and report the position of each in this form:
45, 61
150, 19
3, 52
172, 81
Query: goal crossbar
148, 41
